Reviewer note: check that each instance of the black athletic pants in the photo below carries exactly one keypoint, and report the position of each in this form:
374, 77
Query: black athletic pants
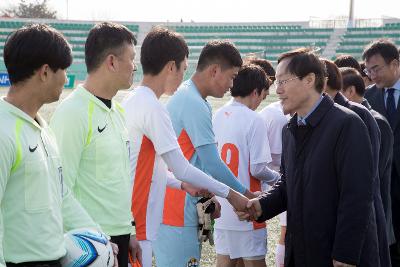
123, 247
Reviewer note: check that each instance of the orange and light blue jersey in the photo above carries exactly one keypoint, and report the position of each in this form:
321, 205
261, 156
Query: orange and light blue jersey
191, 117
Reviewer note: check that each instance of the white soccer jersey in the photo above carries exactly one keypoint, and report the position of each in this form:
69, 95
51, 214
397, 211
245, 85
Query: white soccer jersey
151, 135
241, 136
274, 120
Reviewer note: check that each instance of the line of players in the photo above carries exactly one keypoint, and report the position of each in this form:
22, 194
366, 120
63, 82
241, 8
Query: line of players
121, 161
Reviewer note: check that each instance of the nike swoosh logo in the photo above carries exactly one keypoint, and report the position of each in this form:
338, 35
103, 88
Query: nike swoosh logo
102, 129
32, 149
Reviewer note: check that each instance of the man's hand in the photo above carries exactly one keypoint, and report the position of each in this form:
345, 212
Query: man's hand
341, 264
115, 251
251, 195
237, 200
217, 212
195, 191
252, 212
134, 249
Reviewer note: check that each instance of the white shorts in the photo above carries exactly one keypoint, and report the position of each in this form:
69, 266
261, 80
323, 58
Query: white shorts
241, 244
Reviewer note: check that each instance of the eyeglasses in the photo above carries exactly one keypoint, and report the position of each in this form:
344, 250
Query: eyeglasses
282, 82
272, 78
374, 70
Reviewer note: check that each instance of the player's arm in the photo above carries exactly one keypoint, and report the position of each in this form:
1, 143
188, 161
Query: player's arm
184, 171
173, 182
71, 134
214, 165
262, 172
7, 159
260, 153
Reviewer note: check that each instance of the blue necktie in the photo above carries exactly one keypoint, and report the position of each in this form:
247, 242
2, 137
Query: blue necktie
391, 106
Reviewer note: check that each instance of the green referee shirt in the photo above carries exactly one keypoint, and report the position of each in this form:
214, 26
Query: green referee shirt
35, 204
94, 149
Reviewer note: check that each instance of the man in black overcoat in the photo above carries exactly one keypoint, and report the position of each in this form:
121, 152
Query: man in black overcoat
327, 182
332, 88
382, 66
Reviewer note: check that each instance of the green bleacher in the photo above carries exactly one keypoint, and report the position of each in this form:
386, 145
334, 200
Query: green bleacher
356, 39
75, 32
264, 40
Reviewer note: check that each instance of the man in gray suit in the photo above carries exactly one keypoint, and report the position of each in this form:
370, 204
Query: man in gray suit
382, 66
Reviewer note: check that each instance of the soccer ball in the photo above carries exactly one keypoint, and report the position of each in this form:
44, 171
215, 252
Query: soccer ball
87, 247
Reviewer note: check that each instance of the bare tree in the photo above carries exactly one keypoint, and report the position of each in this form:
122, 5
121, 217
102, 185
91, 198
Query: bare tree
37, 9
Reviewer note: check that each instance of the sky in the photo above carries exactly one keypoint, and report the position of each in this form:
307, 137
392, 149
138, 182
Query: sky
217, 10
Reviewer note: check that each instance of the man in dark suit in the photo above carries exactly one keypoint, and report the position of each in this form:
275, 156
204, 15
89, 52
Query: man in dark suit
327, 182
332, 88
354, 89
382, 66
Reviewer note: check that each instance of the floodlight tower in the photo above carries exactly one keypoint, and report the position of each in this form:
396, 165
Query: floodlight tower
351, 22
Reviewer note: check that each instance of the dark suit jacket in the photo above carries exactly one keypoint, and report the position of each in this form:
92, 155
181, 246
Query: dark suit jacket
375, 136
385, 166
327, 189
375, 97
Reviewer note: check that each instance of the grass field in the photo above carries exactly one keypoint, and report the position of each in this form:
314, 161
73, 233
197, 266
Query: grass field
208, 252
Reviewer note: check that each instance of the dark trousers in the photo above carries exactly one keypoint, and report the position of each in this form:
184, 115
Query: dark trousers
122, 242
395, 254
395, 194
35, 264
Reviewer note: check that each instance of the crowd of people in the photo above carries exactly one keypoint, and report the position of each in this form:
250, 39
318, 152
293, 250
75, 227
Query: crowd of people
154, 177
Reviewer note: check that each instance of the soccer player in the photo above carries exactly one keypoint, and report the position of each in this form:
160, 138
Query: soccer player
219, 62
240, 134
91, 133
36, 206
154, 145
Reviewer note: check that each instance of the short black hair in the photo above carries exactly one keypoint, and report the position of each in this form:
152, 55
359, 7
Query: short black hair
347, 61
32, 46
384, 47
160, 46
105, 38
333, 75
266, 66
304, 61
249, 77
351, 77
223, 53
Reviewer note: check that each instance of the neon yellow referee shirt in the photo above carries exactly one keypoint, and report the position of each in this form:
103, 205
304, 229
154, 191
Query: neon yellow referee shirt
35, 204
94, 148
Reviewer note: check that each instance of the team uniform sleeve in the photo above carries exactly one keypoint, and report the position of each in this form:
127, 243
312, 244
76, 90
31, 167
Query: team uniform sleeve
260, 154
7, 157
198, 124
71, 134
214, 165
172, 181
158, 128
186, 172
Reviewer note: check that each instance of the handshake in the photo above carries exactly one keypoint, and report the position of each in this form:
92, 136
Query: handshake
246, 206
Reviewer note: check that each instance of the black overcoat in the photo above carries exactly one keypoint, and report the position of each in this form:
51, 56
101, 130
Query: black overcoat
375, 97
327, 189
